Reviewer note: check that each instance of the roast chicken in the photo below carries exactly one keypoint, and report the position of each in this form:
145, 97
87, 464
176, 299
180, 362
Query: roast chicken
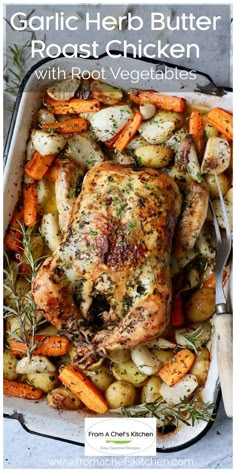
109, 286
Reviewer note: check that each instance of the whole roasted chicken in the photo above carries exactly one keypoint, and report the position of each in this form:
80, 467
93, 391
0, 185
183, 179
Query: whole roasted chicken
108, 286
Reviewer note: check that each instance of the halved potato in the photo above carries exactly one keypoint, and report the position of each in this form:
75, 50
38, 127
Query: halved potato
46, 381
105, 93
129, 372
101, 377
212, 186
151, 390
158, 156
216, 157
119, 356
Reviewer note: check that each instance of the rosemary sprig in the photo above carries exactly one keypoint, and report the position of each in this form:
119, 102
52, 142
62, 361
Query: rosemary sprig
193, 338
18, 58
187, 411
20, 301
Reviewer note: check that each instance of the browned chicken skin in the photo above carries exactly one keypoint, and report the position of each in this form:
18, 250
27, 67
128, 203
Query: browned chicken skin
112, 271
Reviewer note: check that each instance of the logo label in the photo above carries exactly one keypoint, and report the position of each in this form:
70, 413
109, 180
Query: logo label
120, 437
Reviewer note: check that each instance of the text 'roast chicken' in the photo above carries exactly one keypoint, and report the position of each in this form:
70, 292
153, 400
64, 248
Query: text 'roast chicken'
109, 286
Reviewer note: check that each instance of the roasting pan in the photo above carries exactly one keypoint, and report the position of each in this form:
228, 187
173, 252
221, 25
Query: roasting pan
37, 417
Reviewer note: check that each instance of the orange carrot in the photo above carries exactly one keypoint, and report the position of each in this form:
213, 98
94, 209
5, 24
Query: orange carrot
176, 369
196, 124
83, 388
128, 131
177, 312
30, 204
75, 125
211, 281
110, 142
74, 105
52, 172
21, 390
49, 346
14, 237
39, 165
221, 120
165, 102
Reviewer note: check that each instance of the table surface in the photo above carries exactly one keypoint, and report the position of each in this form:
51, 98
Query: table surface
24, 450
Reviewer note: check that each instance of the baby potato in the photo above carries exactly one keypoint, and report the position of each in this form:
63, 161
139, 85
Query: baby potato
105, 93
101, 377
120, 393
129, 372
212, 187
163, 355
63, 399
46, 381
154, 156
151, 390
200, 305
120, 355
9, 365
200, 366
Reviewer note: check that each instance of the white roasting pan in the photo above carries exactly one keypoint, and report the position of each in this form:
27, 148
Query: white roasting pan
37, 417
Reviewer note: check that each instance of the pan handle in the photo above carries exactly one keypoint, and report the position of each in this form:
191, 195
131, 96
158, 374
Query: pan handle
210, 88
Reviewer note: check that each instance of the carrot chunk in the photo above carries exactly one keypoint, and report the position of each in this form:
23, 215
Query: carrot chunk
83, 388
49, 346
30, 204
222, 121
75, 125
165, 102
74, 105
128, 132
14, 388
14, 237
196, 124
175, 370
39, 165
52, 172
